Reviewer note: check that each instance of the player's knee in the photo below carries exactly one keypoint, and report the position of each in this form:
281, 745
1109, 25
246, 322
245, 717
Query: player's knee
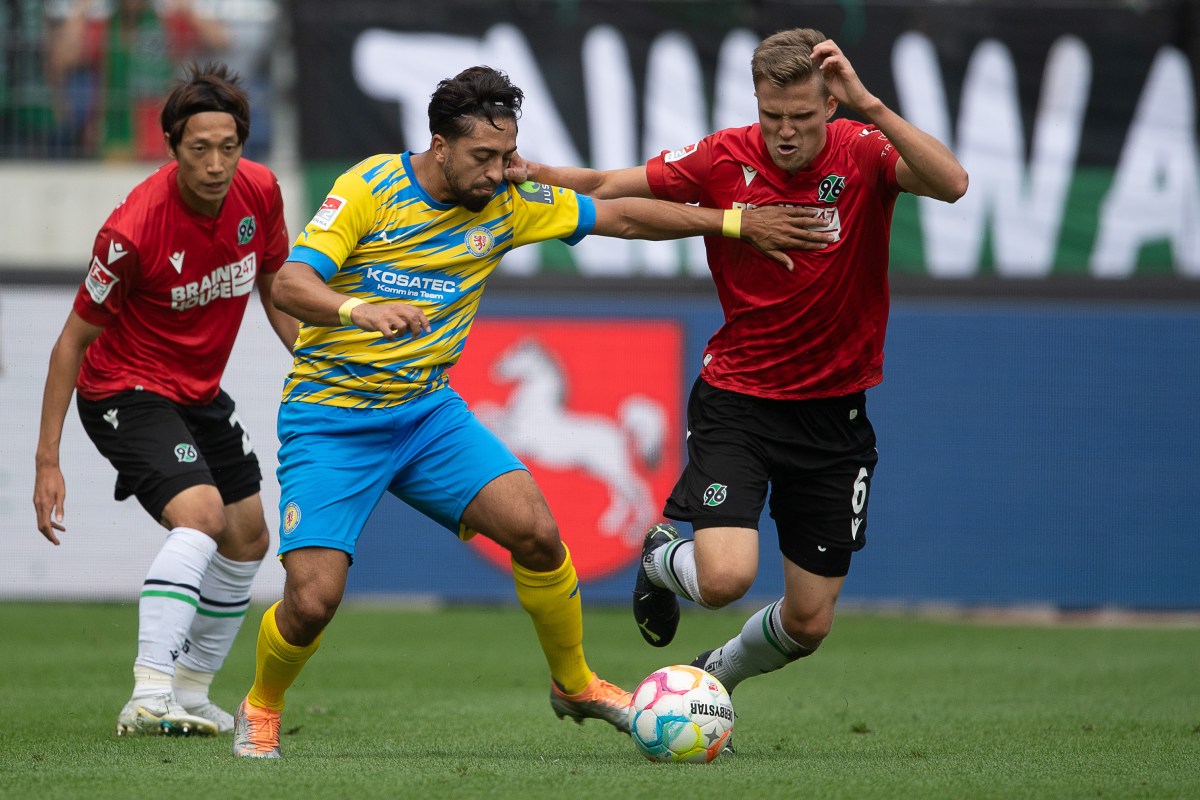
808, 629
309, 612
257, 549
721, 589
540, 549
249, 544
209, 519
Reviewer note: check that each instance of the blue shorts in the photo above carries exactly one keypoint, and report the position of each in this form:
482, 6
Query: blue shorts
335, 464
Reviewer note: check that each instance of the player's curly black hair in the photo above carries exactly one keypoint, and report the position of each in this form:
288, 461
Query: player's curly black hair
212, 87
475, 93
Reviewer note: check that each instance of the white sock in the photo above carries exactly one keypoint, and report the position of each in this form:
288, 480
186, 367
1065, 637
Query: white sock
673, 567
224, 598
762, 646
190, 686
150, 683
169, 598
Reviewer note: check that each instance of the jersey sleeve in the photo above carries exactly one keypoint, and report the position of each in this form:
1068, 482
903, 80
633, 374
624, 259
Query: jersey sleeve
876, 157
346, 215
679, 175
111, 277
542, 212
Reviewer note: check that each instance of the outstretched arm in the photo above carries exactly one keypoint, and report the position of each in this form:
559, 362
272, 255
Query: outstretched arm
601, 184
771, 229
926, 166
624, 210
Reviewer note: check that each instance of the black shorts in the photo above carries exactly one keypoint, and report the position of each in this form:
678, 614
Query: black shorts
160, 448
816, 457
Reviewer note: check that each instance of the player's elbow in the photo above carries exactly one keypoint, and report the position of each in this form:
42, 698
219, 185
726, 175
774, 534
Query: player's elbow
956, 187
279, 298
284, 288
604, 189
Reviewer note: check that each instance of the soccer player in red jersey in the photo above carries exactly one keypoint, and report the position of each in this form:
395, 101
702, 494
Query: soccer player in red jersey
780, 401
145, 345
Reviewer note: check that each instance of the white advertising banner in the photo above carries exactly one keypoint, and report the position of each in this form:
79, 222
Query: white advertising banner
107, 546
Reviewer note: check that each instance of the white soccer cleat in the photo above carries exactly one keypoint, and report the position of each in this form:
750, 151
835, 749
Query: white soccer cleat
213, 713
161, 716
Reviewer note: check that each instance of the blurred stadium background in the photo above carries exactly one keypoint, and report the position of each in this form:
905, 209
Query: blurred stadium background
1038, 441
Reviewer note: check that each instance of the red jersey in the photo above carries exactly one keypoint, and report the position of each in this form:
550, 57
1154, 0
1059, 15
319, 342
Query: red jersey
169, 285
817, 331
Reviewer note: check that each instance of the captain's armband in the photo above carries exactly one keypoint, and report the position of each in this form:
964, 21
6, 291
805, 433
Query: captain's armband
731, 223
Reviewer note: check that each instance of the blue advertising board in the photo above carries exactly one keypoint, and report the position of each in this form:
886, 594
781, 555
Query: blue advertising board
1031, 452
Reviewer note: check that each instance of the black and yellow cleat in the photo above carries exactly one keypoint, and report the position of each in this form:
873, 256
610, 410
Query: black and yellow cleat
655, 609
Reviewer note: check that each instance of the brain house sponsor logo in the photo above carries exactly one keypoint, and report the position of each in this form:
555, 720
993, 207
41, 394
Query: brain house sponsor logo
231, 280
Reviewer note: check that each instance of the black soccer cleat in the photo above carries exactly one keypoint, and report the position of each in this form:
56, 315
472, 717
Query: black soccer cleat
655, 609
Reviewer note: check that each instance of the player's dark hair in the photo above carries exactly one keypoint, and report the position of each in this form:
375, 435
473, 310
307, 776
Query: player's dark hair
475, 93
786, 57
212, 87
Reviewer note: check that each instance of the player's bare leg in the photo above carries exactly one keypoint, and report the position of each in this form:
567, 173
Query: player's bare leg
511, 511
288, 636
788, 629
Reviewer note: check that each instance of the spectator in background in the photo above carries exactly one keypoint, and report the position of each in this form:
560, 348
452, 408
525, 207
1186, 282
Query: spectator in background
250, 28
112, 61
26, 116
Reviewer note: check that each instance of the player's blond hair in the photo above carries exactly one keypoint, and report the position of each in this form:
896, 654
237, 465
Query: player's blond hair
786, 57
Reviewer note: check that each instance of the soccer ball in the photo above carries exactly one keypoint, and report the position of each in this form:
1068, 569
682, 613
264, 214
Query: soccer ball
680, 713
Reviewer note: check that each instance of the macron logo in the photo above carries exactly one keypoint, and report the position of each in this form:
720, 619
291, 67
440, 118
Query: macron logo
116, 251
176, 260
748, 173
855, 524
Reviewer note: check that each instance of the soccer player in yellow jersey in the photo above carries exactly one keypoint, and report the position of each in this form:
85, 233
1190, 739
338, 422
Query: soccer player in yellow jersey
386, 280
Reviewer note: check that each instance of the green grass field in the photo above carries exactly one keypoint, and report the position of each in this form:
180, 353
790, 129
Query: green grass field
453, 704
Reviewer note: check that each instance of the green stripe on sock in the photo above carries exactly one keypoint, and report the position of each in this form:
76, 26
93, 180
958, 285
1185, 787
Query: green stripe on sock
172, 595
771, 640
666, 574
206, 613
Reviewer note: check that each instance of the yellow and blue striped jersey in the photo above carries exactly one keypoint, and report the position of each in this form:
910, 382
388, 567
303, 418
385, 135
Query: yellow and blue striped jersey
380, 236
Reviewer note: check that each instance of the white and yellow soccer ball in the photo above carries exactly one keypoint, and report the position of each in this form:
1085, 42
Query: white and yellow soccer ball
680, 713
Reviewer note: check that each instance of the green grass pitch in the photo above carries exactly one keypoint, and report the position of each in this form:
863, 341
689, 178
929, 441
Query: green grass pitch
453, 704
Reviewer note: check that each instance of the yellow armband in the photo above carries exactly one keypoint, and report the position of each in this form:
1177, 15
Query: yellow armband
347, 307
731, 223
